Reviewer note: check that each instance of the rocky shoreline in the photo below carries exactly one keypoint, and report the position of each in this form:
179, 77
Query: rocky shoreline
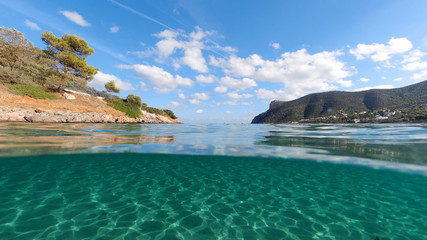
37, 115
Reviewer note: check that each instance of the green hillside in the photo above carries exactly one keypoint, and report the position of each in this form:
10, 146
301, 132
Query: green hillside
320, 107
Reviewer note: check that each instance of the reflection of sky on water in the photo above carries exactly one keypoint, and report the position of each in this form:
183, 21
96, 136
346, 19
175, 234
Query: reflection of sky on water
398, 146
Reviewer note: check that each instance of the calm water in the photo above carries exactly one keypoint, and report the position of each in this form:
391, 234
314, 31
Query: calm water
108, 181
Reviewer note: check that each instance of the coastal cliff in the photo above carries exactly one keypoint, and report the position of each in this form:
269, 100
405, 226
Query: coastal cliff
406, 104
70, 107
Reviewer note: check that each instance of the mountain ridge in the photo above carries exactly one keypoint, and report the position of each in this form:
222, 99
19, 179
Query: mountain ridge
322, 106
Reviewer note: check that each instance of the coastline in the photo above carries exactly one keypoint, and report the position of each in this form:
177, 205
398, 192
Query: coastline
71, 107
48, 116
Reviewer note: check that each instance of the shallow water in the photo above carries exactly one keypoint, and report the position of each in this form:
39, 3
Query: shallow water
108, 181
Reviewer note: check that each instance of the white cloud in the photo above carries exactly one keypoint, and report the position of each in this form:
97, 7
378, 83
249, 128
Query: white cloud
300, 72
228, 112
195, 101
32, 25
236, 95
124, 66
144, 86
237, 83
114, 29
275, 45
215, 62
196, 98
420, 76
220, 89
345, 83
193, 52
164, 81
175, 104
192, 46
230, 102
414, 56
227, 49
265, 94
206, 79
76, 18
382, 52
100, 79
376, 87
199, 111
182, 96
398, 79
363, 79
414, 66
201, 96
239, 67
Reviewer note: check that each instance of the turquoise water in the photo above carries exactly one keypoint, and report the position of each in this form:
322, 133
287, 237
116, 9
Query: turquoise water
108, 181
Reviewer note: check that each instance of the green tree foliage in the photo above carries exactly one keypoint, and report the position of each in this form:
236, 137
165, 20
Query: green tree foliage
13, 48
170, 113
68, 55
122, 105
134, 100
111, 87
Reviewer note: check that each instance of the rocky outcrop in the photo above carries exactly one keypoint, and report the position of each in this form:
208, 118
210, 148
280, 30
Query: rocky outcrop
37, 115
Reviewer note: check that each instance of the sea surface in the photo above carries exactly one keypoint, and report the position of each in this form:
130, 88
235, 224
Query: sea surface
218, 181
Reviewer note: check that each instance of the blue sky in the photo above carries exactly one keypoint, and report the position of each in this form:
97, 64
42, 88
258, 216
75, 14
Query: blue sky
224, 61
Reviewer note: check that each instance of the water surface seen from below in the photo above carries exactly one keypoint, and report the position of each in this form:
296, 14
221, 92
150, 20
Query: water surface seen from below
165, 196
218, 181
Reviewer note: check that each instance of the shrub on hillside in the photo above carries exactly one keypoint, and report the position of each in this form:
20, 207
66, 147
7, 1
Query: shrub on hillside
134, 100
31, 91
170, 113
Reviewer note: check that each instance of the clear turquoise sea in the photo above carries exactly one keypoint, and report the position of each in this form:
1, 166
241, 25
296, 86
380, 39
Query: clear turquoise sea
111, 181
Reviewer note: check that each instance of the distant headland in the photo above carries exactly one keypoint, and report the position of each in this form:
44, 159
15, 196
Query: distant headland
399, 105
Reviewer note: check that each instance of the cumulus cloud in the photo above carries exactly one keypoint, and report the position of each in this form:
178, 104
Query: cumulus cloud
412, 62
100, 79
236, 95
363, 79
194, 101
206, 78
144, 86
32, 25
220, 89
414, 66
238, 67
184, 49
241, 84
197, 98
300, 72
413, 56
275, 45
175, 104
191, 45
228, 112
75, 17
379, 52
199, 111
163, 81
265, 94
114, 29
201, 96
182, 96
398, 79
420, 76
376, 87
